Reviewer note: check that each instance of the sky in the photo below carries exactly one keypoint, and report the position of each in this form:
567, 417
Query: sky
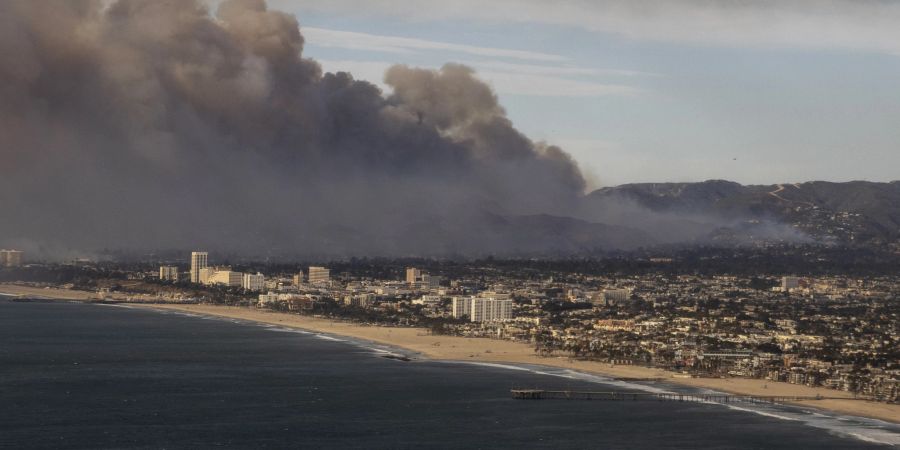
655, 91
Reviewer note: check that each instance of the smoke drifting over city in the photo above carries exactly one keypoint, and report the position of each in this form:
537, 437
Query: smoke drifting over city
146, 125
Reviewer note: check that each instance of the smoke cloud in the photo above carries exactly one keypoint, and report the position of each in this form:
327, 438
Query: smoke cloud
159, 124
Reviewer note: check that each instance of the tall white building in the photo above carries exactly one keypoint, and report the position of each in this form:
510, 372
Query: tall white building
319, 275
481, 309
253, 282
199, 261
168, 273
490, 309
461, 307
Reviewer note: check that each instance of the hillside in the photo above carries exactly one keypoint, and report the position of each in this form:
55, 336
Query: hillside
850, 213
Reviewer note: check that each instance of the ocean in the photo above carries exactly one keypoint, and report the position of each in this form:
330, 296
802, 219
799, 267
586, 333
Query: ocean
76, 375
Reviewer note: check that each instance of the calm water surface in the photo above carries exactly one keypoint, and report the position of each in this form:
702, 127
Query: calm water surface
93, 376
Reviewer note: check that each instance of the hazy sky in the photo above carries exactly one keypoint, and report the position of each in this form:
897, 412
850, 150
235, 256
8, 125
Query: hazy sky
756, 92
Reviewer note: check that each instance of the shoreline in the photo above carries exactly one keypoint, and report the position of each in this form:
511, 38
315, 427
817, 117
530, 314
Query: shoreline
486, 350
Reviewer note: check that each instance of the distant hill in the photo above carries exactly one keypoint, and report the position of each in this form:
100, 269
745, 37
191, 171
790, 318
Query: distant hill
850, 213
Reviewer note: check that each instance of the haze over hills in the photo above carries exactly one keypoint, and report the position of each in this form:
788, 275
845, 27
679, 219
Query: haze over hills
849, 213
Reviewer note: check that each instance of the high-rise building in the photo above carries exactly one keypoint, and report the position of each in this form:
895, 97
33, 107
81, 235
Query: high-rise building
490, 309
11, 258
412, 275
168, 273
199, 261
298, 279
318, 275
461, 307
482, 309
253, 282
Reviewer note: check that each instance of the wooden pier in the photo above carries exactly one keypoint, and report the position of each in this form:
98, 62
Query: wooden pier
540, 394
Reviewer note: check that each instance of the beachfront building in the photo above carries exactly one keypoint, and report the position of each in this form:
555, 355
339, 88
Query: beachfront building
319, 275
253, 282
199, 261
490, 310
482, 309
226, 277
360, 300
206, 273
461, 307
268, 298
168, 273
10, 258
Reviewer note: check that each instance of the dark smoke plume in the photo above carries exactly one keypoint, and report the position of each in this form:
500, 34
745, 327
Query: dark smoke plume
147, 124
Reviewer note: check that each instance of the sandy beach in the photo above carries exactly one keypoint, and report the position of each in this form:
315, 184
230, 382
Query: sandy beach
501, 351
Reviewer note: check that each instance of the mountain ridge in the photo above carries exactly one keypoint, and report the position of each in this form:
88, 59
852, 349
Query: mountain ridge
845, 213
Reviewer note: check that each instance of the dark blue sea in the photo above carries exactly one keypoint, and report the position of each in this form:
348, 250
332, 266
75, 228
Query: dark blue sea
78, 375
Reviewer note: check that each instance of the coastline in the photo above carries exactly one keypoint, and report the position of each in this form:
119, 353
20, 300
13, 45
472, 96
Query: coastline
485, 350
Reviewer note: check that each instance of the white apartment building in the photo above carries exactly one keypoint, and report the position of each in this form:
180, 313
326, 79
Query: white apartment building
490, 309
479, 309
168, 273
199, 261
461, 306
253, 282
